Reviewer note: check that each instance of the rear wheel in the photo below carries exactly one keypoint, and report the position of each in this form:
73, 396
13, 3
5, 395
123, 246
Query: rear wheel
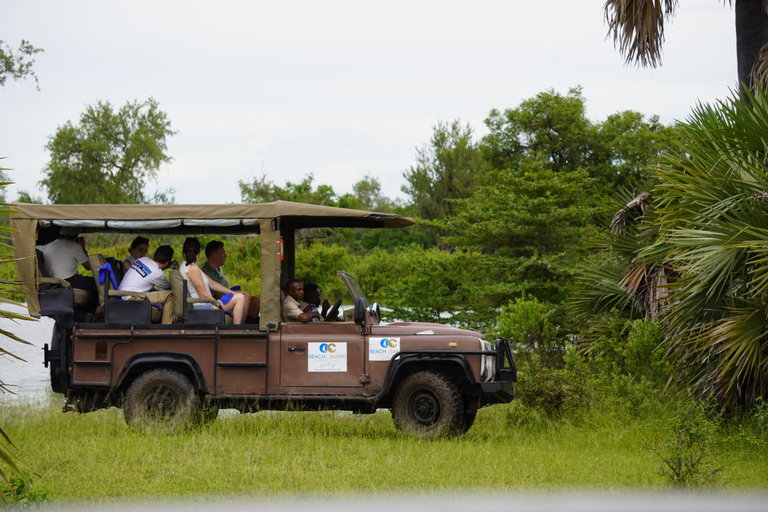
428, 405
161, 400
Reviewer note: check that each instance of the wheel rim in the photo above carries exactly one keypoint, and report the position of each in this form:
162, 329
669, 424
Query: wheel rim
424, 407
162, 402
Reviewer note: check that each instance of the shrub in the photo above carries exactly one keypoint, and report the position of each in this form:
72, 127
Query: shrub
533, 328
21, 494
687, 456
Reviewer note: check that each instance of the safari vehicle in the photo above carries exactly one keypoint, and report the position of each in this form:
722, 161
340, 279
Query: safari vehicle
432, 377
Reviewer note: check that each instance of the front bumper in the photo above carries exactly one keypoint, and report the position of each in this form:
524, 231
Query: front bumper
498, 392
501, 390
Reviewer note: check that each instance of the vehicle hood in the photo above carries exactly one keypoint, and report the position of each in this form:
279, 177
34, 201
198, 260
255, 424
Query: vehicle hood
421, 328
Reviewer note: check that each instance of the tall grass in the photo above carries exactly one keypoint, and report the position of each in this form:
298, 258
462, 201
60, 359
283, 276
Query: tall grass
95, 457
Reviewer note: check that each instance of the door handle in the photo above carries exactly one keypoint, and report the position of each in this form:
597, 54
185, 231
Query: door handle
297, 349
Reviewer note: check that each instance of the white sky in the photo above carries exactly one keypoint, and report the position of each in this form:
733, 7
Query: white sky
337, 89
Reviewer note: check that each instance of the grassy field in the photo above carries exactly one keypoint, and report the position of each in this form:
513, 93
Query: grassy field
95, 457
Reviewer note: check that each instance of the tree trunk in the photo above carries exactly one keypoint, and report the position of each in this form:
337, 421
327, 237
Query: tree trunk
751, 35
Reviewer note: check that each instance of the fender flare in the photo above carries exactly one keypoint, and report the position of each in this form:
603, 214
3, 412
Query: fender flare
406, 358
160, 360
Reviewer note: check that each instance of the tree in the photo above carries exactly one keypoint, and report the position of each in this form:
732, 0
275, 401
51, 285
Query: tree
553, 129
711, 207
446, 169
367, 192
17, 64
637, 28
550, 128
263, 190
705, 234
110, 156
531, 229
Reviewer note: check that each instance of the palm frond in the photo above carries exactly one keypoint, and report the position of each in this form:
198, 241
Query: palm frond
711, 213
637, 28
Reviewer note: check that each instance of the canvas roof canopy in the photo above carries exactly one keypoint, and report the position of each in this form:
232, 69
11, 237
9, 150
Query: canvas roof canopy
271, 220
222, 219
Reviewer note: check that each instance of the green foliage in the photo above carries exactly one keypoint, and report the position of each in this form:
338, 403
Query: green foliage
710, 207
532, 230
367, 192
539, 212
533, 329
17, 64
318, 264
447, 168
628, 146
367, 196
553, 130
26, 197
21, 494
759, 412
263, 190
625, 369
109, 156
687, 456
9, 463
427, 285
550, 129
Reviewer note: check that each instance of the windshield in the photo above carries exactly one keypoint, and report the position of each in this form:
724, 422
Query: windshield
354, 287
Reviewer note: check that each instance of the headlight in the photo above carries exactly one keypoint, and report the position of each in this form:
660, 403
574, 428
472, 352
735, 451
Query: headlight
488, 362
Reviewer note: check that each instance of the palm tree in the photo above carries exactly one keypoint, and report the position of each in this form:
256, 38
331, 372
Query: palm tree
620, 285
712, 214
637, 28
9, 464
707, 237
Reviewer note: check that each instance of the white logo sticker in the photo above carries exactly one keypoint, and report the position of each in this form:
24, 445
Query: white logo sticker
327, 357
382, 349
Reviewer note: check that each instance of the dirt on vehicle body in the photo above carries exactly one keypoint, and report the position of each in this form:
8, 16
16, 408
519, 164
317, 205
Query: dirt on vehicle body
433, 377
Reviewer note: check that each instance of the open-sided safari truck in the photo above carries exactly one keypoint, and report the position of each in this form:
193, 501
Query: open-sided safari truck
433, 377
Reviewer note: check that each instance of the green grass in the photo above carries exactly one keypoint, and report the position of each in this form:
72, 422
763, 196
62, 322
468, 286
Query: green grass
95, 457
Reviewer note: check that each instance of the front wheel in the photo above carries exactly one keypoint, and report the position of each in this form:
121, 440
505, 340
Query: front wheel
161, 400
428, 405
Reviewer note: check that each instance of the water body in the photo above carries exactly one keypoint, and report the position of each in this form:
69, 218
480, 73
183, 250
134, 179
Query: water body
28, 379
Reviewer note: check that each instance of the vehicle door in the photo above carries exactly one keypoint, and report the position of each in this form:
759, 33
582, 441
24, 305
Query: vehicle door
319, 355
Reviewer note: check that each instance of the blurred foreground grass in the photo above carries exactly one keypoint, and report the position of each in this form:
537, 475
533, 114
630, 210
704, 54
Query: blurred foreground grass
95, 457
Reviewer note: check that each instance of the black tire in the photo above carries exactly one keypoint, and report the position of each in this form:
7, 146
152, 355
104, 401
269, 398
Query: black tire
162, 400
428, 405
470, 412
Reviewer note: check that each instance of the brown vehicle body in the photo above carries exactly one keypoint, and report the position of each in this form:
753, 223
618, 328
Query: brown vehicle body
432, 376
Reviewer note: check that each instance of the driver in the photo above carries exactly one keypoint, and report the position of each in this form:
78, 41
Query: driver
292, 311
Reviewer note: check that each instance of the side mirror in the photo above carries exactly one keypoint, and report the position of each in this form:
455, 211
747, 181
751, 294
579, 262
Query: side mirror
359, 316
376, 311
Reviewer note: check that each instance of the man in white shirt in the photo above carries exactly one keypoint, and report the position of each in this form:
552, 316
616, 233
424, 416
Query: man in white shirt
62, 258
146, 274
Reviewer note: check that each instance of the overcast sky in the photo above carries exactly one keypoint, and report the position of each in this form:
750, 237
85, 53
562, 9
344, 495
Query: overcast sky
336, 89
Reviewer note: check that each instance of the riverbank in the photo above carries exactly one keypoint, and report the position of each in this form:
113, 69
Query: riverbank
95, 458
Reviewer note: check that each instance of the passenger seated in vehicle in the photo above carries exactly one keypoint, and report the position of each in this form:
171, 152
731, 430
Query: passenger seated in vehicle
312, 298
61, 259
138, 249
292, 311
145, 274
200, 286
215, 257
